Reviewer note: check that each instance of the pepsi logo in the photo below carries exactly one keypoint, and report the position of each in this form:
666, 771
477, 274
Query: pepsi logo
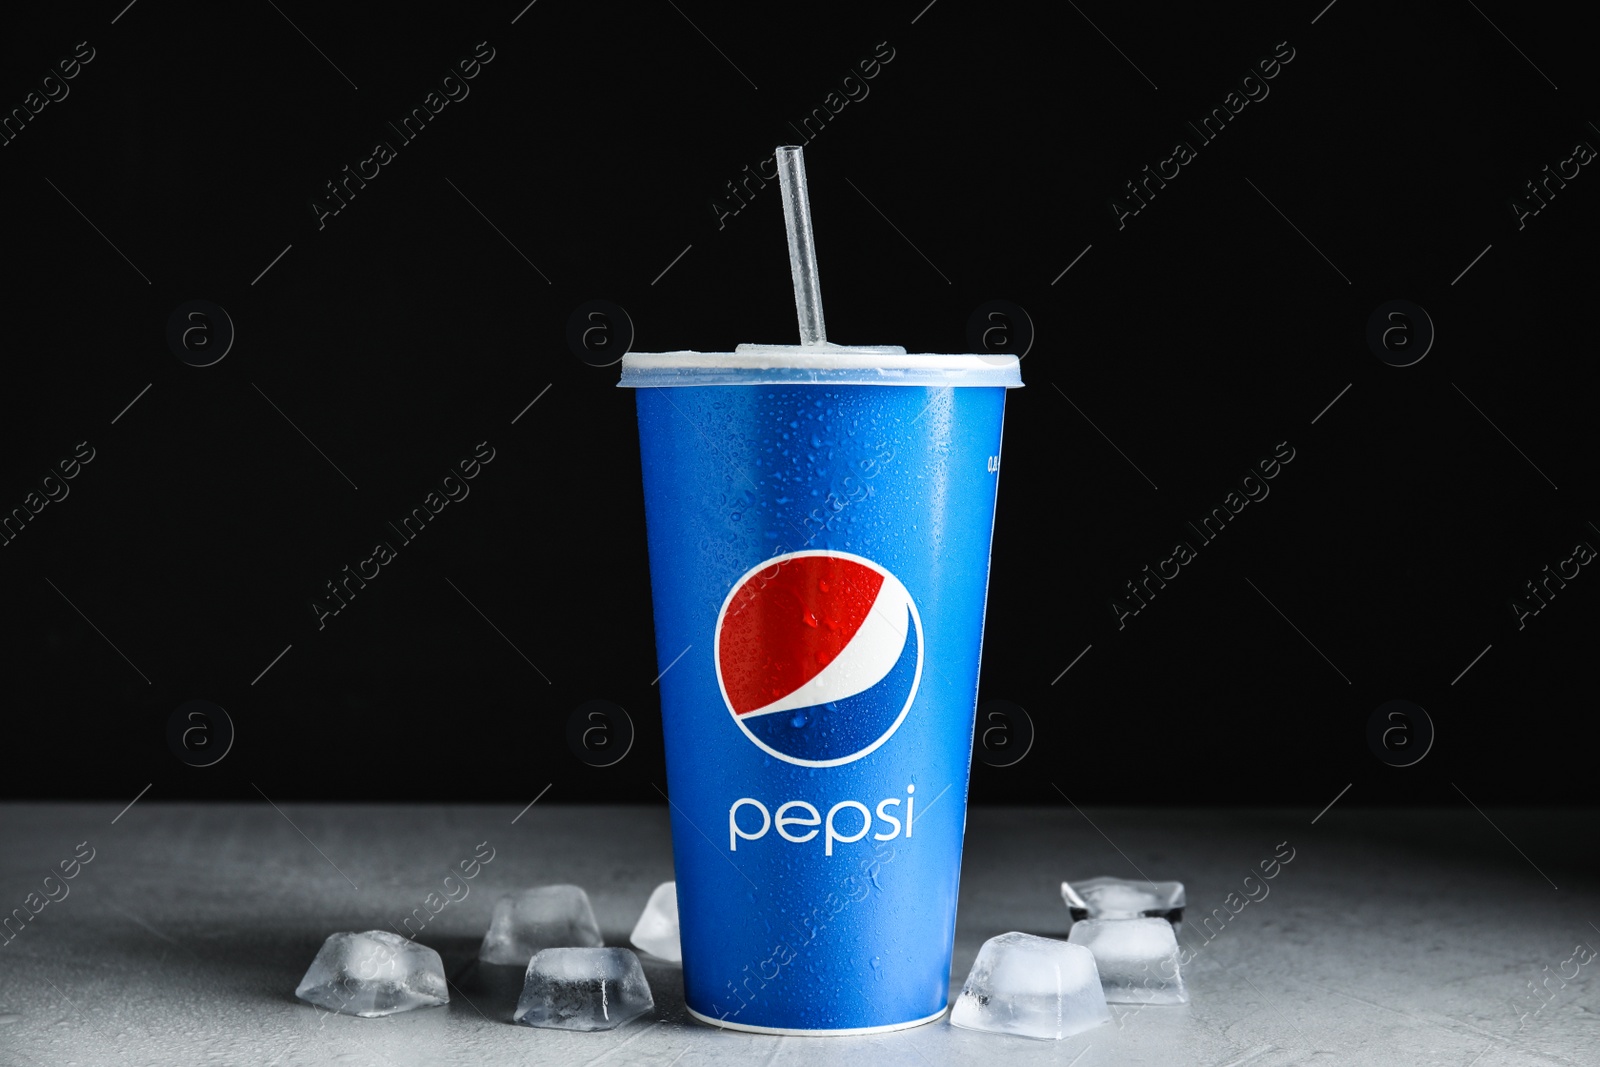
818, 655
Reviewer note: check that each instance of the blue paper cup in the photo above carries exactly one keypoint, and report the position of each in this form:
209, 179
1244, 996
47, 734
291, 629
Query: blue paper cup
819, 528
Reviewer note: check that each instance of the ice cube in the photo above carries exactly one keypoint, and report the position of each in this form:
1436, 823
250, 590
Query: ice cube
656, 932
1137, 959
1118, 898
583, 989
1033, 987
372, 974
551, 916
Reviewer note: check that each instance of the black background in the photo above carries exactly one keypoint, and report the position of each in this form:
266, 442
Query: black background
414, 324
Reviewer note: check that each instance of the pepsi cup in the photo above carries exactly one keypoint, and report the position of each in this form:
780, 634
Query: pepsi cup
819, 526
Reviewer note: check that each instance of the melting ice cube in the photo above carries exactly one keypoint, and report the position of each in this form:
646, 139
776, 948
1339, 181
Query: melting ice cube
1033, 987
583, 989
372, 974
551, 916
656, 932
1137, 959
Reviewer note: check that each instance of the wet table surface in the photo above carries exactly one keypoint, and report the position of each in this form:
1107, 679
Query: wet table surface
1446, 936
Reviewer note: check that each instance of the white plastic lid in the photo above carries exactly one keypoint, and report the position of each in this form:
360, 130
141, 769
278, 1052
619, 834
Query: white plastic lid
823, 364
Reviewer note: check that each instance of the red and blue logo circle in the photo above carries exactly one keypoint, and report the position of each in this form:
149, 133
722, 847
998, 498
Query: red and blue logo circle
818, 655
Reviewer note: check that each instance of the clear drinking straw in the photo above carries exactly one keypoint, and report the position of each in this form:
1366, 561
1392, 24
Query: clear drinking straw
802, 246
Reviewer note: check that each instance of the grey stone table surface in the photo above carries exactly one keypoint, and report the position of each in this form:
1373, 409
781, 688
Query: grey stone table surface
1451, 936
